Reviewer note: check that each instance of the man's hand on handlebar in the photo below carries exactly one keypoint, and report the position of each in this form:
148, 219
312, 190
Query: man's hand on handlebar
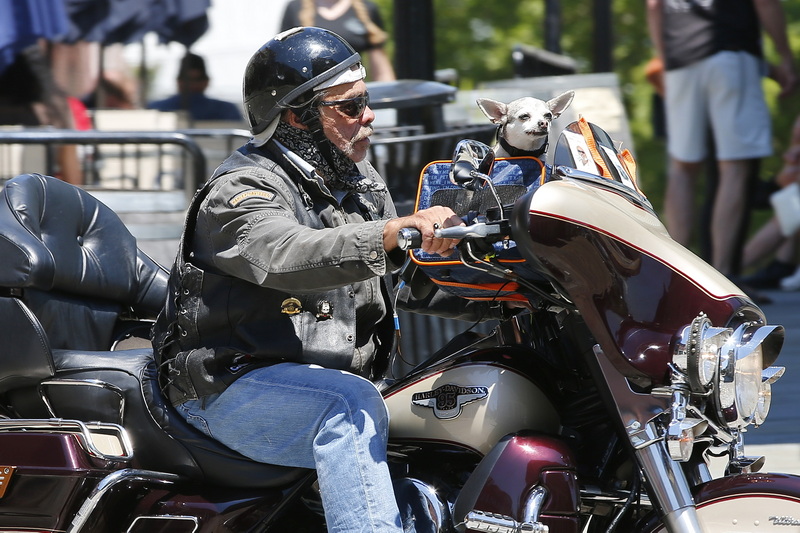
426, 221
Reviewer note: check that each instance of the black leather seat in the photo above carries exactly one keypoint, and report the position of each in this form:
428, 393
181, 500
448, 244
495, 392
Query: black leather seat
72, 276
72, 282
57, 237
161, 438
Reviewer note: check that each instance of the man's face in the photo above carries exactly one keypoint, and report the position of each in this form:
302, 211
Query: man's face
192, 81
348, 133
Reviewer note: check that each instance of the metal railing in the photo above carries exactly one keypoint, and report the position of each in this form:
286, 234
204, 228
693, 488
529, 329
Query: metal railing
399, 154
132, 146
146, 177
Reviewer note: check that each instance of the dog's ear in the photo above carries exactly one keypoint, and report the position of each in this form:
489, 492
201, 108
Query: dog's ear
558, 104
496, 111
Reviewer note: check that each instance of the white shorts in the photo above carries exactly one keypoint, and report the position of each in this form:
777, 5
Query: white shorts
722, 93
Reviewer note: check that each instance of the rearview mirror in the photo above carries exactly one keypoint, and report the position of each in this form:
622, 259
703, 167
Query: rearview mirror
472, 162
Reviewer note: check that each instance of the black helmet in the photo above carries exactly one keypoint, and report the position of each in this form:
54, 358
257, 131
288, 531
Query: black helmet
284, 72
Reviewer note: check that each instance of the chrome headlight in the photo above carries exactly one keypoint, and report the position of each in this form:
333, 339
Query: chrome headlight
768, 377
729, 365
702, 353
739, 380
745, 386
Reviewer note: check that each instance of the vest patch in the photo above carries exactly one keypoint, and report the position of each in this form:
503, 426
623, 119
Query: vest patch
251, 193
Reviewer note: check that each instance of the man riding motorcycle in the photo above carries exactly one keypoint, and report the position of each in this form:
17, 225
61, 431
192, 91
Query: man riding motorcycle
279, 311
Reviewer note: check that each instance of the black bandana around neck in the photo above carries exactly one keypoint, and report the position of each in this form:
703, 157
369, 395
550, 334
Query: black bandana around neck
343, 175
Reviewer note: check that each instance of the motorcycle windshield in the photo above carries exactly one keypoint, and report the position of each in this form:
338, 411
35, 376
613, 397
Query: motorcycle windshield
587, 150
597, 237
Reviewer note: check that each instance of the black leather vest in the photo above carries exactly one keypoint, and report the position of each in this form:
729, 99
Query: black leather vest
216, 327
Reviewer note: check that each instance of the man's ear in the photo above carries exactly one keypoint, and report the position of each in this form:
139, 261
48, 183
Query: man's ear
292, 119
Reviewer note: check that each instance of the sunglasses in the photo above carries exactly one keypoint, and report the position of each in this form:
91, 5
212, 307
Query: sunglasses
352, 107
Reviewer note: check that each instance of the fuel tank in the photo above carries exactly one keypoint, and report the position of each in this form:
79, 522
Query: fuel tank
469, 403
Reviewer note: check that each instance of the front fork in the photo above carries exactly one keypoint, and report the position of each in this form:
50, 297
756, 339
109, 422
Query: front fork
667, 480
668, 484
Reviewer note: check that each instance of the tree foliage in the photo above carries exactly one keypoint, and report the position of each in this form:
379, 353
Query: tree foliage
476, 38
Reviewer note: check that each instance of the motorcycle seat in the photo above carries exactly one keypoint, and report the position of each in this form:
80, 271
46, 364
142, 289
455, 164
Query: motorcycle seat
65, 251
162, 440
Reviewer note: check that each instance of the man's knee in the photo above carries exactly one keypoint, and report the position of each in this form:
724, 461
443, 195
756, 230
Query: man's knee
364, 401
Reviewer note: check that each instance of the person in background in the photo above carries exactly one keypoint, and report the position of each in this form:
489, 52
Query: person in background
29, 96
714, 65
782, 271
359, 22
192, 82
110, 95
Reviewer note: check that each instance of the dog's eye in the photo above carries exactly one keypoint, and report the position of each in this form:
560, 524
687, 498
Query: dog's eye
548, 116
524, 116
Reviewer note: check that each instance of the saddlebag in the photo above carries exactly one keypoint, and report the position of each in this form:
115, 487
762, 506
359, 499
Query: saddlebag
45, 474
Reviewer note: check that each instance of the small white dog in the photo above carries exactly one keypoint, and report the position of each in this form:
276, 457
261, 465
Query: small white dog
524, 123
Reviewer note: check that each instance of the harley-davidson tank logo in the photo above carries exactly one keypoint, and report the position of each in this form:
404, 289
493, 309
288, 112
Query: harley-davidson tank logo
447, 400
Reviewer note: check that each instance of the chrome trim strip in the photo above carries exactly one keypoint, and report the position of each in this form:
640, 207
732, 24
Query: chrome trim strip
635, 196
193, 519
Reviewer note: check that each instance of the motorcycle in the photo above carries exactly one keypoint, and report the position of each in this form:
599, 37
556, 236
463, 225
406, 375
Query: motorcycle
625, 364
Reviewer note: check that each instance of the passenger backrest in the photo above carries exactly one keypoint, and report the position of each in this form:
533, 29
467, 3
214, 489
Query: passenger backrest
72, 263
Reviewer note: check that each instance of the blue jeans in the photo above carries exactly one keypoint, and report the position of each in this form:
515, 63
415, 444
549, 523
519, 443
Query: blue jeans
307, 416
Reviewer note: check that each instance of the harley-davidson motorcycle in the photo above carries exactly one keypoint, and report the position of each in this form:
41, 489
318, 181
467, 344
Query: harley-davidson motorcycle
626, 366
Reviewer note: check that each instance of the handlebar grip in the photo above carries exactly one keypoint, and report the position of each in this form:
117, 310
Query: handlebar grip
409, 238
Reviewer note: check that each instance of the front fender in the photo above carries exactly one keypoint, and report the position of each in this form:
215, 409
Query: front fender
744, 502
735, 486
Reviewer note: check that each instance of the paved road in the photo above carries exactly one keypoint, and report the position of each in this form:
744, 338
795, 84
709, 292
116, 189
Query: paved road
779, 437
